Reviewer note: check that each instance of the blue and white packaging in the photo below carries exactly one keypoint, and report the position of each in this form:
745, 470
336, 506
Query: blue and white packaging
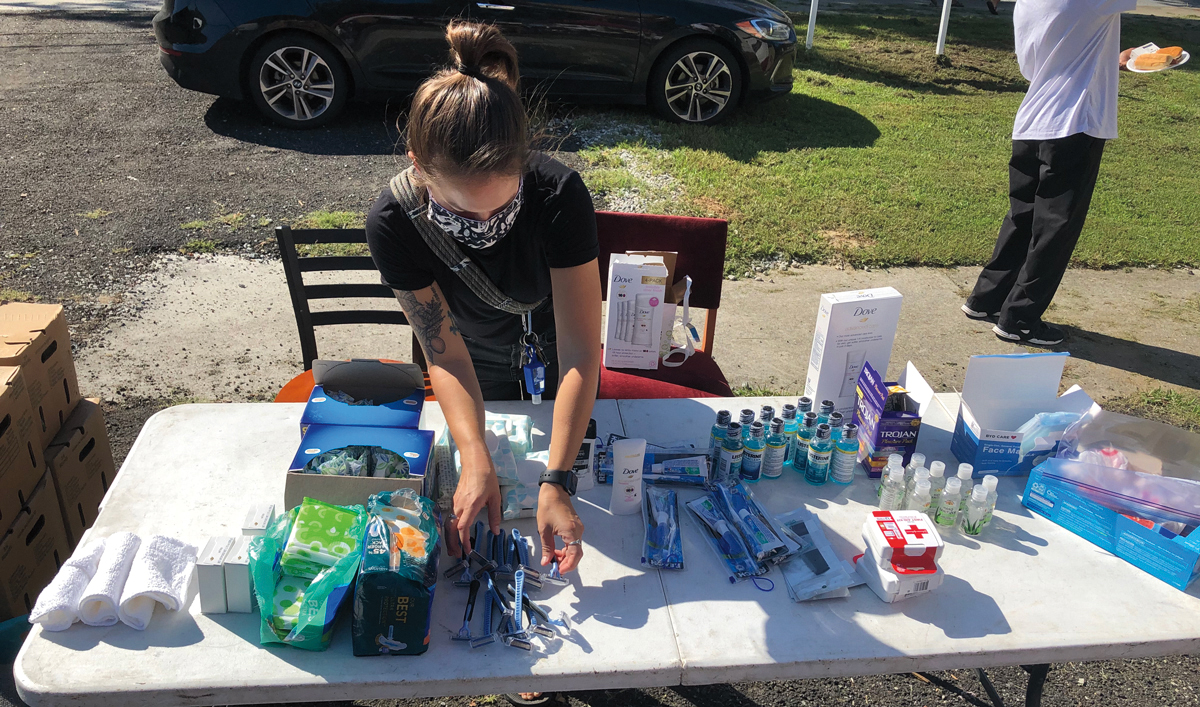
396, 392
1001, 393
414, 446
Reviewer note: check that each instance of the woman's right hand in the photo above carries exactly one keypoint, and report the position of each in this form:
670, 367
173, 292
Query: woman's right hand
477, 487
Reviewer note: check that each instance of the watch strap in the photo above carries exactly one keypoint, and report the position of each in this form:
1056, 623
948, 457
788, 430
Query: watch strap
564, 478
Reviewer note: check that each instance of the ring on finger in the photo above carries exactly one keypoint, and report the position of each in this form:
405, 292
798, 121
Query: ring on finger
577, 543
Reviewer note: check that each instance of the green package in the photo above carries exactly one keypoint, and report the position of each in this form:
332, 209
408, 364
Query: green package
321, 536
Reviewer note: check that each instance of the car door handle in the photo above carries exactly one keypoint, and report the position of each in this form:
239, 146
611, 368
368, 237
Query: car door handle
490, 6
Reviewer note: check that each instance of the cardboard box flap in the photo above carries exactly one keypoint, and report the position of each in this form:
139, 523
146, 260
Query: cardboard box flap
21, 324
918, 388
871, 386
368, 379
1011, 380
669, 259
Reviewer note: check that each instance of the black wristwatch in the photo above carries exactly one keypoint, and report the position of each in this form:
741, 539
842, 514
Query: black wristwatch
566, 479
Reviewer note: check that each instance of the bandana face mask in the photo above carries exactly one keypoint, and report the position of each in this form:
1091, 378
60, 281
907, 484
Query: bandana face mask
477, 234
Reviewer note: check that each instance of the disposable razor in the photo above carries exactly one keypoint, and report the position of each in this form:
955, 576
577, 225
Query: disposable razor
538, 618
508, 632
503, 555
464, 633
541, 613
518, 615
488, 636
521, 552
554, 576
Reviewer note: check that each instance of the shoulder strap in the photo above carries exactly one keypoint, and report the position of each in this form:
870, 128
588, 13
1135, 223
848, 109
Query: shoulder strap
448, 251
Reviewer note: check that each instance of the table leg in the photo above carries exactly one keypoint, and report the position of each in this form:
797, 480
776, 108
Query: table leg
1037, 680
989, 688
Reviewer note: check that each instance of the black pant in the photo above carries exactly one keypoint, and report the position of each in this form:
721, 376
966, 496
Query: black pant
1050, 184
498, 368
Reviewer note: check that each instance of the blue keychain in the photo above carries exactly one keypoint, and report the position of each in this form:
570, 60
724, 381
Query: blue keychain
532, 366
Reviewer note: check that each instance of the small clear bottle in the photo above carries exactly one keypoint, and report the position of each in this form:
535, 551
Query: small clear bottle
790, 424
825, 411
820, 450
845, 455
773, 456
892, 498
803, 405
947, 509
835, 426
965, 471
804, 435
916, 461
745, 417
894, 461
937, 482
716, 437
974, 517
729, 468
752, 454
990, 483
919, 475
919, 500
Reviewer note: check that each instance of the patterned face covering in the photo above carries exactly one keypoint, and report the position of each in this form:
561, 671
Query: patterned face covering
477, 234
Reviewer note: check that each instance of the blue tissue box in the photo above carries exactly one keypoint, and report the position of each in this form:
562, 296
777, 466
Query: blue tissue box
324, 410
415, 446
397, 391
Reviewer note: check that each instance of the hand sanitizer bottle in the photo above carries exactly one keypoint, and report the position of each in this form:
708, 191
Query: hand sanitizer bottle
745, 417
729, 468
716, 437
803, 405
892, 497
752, 454
964, 475
937, 482
947, 510
916, 461
804, 435
894, 461
835, 426
990, 482
790, 425
777, 445
919, 500
826, 411
845, 456
816, 471
972, 520
921, 474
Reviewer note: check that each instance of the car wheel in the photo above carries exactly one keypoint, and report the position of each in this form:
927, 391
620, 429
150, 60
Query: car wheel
298, 81
697, 81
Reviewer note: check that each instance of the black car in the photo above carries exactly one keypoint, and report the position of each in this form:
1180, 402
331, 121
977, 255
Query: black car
301, 60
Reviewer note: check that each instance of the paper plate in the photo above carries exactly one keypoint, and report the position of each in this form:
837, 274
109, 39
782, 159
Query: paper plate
1183, 59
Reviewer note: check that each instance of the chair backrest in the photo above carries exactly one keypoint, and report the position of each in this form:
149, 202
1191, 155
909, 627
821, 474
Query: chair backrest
700, 243
294, 268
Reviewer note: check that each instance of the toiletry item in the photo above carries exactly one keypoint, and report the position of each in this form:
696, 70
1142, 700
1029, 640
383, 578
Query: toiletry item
852, 329
745, 418
974, 516
752, 453
692, 470
637, 288
791, 423
820, 450
628, 456
210, 573
765, 415
895, 461
725, 541
57, 606
919, 499
814, 570
845, 455
803, 404
239, 591
161, 573
825, 411
854, 364
258, 518
102, 596
321, 535
916, 461
965, 472
750, 521
937, 482
776, 450
892, 497
729, 464
643, 328
584, 466
921, 474
716, 437
663, 544
990, 483
835, 426
902, 537
804, 435
947, 510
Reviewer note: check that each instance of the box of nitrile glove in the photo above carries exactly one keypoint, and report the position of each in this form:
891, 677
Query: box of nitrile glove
348, 464
889, 416
365, 393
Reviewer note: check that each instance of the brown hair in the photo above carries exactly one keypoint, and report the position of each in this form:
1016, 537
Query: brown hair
468, 120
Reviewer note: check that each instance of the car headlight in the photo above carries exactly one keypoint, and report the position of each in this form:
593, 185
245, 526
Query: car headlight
766, 29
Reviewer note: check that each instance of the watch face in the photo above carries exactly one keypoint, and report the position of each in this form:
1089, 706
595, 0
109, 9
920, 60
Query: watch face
572, 482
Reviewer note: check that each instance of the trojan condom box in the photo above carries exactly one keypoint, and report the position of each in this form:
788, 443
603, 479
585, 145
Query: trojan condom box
853, 328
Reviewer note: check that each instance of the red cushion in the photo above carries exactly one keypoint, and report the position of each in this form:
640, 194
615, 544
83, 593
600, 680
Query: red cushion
698, 377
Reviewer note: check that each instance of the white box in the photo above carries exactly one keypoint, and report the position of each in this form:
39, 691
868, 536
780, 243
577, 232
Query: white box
852, 328
258, 518
637, 286
907, 539
893, 586
210, 574
239, 590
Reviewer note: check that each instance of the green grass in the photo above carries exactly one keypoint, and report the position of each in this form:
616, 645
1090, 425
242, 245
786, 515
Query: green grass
7, 294
748, 391
1181, 409
197, 225
199, 245
331, 219
96, 214
881, 156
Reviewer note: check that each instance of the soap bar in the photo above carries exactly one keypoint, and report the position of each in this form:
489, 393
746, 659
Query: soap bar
210, 574
239, 591
258, 518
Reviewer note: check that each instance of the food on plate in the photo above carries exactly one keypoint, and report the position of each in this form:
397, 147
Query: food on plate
1151, 62
1176, 53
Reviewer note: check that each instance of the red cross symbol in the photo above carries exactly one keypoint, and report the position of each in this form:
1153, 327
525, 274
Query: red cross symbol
917, 531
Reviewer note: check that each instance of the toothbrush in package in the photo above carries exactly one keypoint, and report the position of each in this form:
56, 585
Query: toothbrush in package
725, 541
663, 546
762, 541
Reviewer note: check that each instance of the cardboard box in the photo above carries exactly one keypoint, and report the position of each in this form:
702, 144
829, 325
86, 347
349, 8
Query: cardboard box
21, 462
853, 328
31, 551
1175, 559
886, 432
397, 391
1001, 393
239, 587
35, 337
415, 446
637, 287
81, 461
210, 574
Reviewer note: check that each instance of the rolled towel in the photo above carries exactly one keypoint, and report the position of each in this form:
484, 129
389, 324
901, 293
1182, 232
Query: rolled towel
98, 605
161, 572
57, 606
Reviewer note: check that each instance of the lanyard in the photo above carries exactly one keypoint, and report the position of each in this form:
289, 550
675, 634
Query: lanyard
689, 331
531, 361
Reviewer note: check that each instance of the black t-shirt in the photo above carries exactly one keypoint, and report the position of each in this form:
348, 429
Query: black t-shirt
556, 228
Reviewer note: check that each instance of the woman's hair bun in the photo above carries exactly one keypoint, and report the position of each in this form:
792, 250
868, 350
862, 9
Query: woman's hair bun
482, 51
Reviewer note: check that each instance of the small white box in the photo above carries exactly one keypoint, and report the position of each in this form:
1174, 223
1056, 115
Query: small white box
852, 328
210, 573
239, 589
906, 539
258, 518
897, 586
637, 287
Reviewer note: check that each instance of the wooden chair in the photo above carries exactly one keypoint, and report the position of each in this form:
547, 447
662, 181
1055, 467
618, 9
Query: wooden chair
700, 243
294, 267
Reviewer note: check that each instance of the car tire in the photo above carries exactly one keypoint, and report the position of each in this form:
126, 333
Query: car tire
298, 81
698, 81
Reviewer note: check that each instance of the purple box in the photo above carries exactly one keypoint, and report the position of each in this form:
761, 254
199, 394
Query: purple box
883, 433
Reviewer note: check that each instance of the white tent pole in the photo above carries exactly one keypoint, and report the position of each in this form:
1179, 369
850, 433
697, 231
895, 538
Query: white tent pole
812, 23
941, 43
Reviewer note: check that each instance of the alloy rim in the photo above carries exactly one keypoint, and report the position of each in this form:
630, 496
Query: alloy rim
296, 83
698, 86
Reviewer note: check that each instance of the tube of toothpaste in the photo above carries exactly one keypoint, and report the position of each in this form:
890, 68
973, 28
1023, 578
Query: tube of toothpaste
683, 471
725, 541
663, 545
762, 541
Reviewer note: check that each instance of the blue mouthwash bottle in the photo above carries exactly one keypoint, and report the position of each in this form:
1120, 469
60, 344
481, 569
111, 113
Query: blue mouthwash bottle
752, 454
825, 412
745, 417
835, 426
820, 450
765, 415
729, 466
804, 435
777, 445
803, 405
790, 425
717, 436
845, 455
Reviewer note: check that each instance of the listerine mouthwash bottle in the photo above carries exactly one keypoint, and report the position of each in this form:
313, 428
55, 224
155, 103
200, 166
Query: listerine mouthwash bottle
717, 437
845, 456
790, 425
974, 517
752, 454
745, 417
803, 405
835, 426
947, 509
777, 444
820, 450
892, 496
729, 468
825, 412
804, 435
765, 415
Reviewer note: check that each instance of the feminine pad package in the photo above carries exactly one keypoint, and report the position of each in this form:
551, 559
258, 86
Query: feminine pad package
321, 536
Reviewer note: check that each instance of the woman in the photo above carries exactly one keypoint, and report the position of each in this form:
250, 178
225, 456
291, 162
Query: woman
520, 223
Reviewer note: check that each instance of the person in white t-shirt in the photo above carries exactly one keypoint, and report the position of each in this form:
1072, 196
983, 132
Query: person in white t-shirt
1070, 52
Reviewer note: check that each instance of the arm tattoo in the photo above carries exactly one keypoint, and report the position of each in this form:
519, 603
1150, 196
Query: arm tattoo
426, 319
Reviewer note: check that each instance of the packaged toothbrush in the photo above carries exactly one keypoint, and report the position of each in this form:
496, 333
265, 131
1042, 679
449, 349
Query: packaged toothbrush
663, 546
815, 570
790, 545
691, 470
725, 541
762, 541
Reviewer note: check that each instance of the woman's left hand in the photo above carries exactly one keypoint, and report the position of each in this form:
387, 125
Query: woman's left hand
556, 517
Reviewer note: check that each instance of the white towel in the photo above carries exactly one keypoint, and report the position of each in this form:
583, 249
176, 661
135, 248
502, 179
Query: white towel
98, 605
57, 606
161, 572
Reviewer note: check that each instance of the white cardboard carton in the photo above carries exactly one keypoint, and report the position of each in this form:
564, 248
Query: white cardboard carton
637, 286
852, 328
258, 518
239, 591
210, 573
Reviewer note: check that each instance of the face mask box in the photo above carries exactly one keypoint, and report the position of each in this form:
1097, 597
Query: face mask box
414, 446
637, 287
21, 462
35, 337
853, 328
1001, 393
884, 431
396, 392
